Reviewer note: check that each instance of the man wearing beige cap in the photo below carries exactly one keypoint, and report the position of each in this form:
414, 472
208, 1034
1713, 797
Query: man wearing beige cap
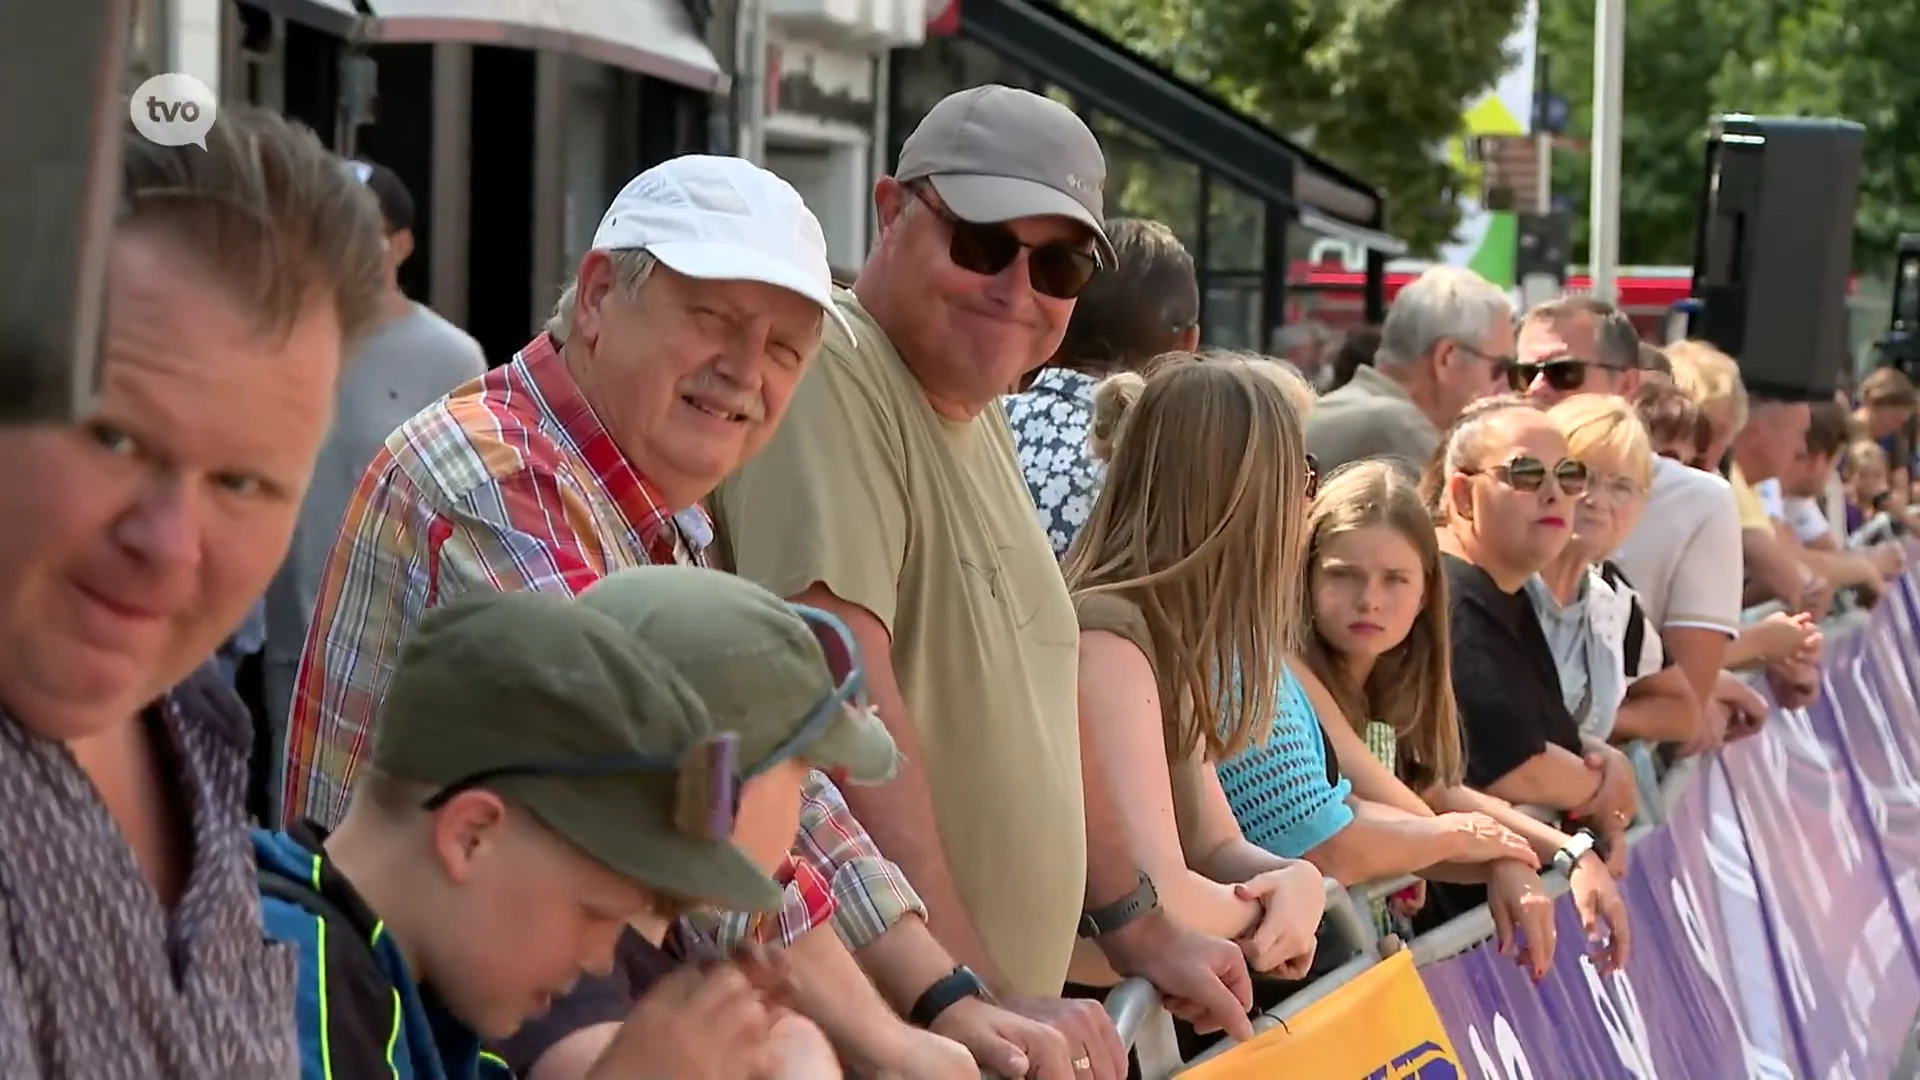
891, 497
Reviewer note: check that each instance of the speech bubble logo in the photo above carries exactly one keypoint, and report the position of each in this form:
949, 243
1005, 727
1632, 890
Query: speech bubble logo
173, 110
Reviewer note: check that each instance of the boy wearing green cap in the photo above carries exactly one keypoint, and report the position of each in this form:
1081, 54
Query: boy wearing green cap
542, 781
788, 681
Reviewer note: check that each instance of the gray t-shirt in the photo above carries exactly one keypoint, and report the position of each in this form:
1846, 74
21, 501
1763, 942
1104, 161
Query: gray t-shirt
407, 365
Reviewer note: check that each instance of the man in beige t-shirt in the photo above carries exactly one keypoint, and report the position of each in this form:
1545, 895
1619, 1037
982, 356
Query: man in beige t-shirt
891, 496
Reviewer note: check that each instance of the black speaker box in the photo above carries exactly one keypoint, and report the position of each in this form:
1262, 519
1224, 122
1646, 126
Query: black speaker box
1773, 254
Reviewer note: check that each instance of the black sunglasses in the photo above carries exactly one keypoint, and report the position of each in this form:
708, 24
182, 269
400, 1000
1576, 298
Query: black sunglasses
1564, 373
708, 775
1529, 474
1059, 269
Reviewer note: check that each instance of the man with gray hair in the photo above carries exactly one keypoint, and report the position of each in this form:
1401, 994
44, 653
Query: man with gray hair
1447, 341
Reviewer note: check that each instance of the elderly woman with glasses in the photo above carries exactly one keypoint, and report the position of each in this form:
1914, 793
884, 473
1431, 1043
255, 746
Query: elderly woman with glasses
1613, 675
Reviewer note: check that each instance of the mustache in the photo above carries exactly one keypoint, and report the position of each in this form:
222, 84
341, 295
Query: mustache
715, 391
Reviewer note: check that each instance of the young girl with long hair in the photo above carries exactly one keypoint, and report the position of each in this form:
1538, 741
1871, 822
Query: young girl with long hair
1186, 579
1380, 643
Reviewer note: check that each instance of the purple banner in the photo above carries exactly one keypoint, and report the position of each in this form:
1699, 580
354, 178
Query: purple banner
1772, 915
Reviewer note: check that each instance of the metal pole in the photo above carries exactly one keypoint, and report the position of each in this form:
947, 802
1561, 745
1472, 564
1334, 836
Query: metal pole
750, 81
1542, 135
1603, 232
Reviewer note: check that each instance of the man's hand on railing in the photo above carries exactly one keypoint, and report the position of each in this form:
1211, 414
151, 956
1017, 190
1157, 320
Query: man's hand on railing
1795, 683
1203, 979
1291, 900
1094, 1049
1610, 811
1602, 912
1004, 1042
1518, 902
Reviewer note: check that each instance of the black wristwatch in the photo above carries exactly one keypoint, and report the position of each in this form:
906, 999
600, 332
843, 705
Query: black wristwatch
1110, 917
1568, 857
946, 992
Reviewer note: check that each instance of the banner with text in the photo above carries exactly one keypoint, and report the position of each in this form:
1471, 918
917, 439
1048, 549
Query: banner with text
1773, 915
1380, 1026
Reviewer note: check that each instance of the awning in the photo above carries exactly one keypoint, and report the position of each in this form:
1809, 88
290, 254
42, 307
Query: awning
1060, 48
1372, 239
335, 17
652, 37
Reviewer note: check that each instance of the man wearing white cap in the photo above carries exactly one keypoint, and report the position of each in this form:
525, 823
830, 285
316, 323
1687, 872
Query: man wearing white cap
892, 497
667, 362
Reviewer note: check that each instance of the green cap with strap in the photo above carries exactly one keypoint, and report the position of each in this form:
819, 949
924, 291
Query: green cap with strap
784, 677
561, 711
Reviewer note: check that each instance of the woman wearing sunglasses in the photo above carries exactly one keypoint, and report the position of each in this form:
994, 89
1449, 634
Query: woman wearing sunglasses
1187, 569
1502, 491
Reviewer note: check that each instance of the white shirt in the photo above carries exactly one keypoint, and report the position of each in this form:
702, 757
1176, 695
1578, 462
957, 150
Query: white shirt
1808, 519
1771, 499
1683, 558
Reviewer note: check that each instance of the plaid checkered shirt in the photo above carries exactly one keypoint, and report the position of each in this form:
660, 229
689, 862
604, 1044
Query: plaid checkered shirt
511, 482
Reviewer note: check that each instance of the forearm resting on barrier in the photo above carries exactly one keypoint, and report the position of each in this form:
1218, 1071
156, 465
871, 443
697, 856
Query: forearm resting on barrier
1659, 708
1382, 841
1555, 777
1545, 839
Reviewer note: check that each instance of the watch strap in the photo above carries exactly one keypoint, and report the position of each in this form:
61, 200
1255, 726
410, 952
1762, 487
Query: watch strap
1577, 848
946, 992
1110, 917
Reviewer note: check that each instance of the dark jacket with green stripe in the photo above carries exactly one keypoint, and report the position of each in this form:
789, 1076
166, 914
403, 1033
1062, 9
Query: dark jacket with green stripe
360, 1014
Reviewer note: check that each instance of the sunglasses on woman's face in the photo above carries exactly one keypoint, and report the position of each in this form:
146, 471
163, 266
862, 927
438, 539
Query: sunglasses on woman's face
1529, 474
1565, 374
1059, 269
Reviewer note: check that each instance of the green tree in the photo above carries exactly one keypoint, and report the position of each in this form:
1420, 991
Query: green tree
1374, 86
1688, 59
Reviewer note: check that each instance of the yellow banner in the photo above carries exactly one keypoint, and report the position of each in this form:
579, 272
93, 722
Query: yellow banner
1381, 1026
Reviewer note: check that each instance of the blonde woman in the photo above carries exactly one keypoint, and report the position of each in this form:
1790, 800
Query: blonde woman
1613, 672
1185, 576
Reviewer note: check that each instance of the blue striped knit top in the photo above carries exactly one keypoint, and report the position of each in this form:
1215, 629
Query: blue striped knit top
1279, 788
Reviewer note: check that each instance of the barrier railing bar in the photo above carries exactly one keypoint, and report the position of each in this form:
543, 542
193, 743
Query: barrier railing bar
1351, 921
1367, 892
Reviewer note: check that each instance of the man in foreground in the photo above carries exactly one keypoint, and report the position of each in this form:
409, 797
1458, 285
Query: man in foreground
138, 538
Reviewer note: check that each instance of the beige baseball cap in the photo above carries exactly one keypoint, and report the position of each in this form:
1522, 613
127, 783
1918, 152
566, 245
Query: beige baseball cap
995, 153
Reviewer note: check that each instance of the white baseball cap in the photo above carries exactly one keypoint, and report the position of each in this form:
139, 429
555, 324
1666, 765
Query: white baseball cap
723, 219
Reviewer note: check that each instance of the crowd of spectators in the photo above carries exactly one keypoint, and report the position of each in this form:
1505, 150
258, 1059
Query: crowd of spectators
755, 678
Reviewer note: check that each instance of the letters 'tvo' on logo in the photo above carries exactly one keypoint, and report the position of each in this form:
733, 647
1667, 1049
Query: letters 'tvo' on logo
173, 110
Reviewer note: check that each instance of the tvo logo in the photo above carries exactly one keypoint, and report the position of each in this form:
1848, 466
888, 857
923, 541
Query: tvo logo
174, 110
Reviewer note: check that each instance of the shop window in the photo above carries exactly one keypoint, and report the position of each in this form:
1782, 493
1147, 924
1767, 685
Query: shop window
1147, 180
